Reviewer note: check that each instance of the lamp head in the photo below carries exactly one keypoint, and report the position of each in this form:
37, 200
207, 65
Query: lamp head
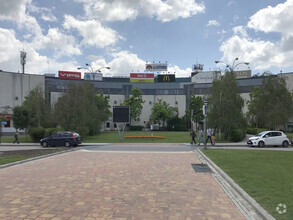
217, 61
87, 64
236, 58
246, 63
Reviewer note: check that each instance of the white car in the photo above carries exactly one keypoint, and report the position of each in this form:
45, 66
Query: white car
269, 138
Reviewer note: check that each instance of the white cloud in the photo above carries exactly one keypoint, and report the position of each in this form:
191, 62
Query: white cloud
92, 31
45, 13
62, 44
179, 72
213, 23
274, 19
10, 48
264, 54
124, 63
13, 9
117, 10
240, 30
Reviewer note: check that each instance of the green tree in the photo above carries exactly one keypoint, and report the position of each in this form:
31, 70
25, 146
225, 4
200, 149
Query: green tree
195, 104
78, 109
162, 111
103, 106
225, 105
271, 105
39, 110
134, 102
20, 118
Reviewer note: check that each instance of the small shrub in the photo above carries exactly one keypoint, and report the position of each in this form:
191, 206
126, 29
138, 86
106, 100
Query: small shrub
255, 130
37, 134
237, 135
50, 131
136, 128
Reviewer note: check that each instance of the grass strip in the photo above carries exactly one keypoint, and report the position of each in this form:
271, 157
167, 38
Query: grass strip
14, 156
264, 175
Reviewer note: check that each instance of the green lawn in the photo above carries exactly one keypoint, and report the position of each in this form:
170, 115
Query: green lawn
13, 156
267, 176
170, 137
11, 159
21, 139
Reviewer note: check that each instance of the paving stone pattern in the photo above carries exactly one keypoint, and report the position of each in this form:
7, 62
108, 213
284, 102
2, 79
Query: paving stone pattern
99, 185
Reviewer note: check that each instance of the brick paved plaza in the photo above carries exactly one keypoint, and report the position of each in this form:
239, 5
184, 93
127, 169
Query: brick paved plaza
98, 185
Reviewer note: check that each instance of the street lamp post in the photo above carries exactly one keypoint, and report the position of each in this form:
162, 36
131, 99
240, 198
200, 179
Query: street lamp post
233, 65
90, 68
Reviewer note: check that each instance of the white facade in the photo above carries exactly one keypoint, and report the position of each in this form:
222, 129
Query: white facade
14, 87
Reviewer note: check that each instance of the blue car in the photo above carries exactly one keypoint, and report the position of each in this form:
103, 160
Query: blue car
63, 138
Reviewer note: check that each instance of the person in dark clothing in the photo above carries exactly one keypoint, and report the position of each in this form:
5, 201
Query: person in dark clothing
209, 136
193, 135
16, 137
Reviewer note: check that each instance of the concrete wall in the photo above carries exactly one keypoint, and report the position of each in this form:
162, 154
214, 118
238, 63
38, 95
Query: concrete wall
14, 87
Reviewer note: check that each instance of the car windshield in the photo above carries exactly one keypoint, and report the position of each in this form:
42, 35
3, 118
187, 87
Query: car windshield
261, 133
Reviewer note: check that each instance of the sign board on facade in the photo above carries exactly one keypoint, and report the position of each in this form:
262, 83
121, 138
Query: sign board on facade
205, 77
156, 67
142, 77
69, 75
121, 114
166, 78
93, 76
243, 74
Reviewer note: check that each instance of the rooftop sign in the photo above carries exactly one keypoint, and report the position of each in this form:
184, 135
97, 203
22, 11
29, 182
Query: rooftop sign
69, 75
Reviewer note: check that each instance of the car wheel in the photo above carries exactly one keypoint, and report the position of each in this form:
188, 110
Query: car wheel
285, 144
45, 144
261, 144
67, 144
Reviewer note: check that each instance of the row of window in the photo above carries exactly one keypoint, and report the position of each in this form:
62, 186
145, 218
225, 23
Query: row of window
150, 102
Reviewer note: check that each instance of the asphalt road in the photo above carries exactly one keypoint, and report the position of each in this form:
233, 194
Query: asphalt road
142, 147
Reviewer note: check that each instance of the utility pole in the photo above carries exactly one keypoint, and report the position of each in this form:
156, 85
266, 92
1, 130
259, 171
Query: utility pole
205, 121
22, 60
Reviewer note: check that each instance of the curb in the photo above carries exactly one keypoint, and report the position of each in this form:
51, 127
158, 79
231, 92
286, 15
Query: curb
260, 211
36, 158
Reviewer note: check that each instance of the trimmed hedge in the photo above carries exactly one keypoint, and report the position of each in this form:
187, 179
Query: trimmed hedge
237, 135
255, 130
37, 134
135, 128
50, 131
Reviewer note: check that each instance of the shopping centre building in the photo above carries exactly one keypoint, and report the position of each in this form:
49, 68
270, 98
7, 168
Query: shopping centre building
14, 87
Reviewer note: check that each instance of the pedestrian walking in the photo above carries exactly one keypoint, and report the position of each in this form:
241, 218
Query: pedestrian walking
16, 137
200, 137
209, 135
193, 135
213, 135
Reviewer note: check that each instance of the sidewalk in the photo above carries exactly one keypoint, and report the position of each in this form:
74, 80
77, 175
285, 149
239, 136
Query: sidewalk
113, 186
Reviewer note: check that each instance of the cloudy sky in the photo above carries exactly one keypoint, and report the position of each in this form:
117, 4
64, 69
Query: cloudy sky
124, 34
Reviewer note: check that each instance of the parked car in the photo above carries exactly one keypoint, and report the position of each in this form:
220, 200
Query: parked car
269, 138
63, 138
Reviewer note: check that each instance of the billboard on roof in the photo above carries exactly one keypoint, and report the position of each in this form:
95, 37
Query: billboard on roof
156, 67
205, 77
166, 78
69, 75
142, 77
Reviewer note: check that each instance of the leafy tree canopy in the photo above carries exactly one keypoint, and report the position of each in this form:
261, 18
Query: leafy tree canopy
271, 105
80, 110
162, 111
225, 105
135, 103
195, 104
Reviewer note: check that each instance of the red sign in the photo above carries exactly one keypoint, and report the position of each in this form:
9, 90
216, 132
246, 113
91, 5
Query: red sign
69, 75
7, 116
142, 75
